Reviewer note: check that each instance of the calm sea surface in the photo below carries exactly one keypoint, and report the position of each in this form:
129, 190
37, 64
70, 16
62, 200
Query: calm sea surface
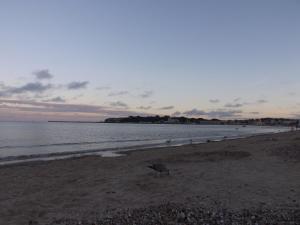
28, 141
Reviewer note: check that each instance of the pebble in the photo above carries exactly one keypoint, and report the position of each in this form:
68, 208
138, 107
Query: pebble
168, 214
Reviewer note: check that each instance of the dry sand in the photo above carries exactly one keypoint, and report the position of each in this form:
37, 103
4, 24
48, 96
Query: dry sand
261, 171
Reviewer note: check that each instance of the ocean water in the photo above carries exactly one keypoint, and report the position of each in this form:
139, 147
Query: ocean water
23, 141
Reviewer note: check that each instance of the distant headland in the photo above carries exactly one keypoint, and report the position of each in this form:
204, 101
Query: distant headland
185, 120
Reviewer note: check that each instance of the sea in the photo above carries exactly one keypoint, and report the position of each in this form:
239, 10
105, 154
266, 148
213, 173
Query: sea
31, 141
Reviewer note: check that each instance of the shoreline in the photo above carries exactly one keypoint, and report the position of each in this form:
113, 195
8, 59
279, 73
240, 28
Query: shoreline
256, 173
115, 152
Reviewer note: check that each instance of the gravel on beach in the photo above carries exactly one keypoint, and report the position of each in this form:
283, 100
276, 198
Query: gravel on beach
171, 214
251, 181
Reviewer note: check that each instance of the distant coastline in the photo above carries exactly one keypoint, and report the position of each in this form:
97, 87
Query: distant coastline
202, 121
193, 121
66, 121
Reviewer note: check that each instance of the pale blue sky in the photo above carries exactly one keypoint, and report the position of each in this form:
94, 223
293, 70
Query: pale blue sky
153, 57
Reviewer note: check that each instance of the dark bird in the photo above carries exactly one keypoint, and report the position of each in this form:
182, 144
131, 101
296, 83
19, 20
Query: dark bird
161, 168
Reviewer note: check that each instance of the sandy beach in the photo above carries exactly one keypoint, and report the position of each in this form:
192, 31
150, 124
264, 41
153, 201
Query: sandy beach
256, 173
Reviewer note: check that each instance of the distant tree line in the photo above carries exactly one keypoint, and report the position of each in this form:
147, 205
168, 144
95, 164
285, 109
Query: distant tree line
185, 120
157, 119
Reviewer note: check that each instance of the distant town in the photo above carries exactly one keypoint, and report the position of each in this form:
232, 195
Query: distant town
185, 120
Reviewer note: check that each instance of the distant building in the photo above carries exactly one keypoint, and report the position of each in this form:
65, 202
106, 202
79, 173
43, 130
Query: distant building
172, 120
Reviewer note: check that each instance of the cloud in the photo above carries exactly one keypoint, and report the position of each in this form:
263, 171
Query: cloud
32, 87
261, 101
144, 107
56, 99
224, 113
195, 112
78, 96
118, 93
215, 114
214, 101
236, 105
27, 105
101, 88
32, 110
119, 104
254, 113
36, 87
177, 113
77, 85
166, 107
43, 74
146, 94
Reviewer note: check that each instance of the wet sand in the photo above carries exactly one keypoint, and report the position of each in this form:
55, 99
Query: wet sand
256, 172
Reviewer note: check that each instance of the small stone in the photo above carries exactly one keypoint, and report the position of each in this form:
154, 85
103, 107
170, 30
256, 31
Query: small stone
181, 217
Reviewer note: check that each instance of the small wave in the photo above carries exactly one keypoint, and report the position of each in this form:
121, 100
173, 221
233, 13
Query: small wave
160, 143
103, 142
57, 155
74, 143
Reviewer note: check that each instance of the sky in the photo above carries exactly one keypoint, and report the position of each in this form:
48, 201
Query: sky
90, 59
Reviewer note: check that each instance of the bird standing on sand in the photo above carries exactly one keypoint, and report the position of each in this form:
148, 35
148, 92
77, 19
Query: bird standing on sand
161, 168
